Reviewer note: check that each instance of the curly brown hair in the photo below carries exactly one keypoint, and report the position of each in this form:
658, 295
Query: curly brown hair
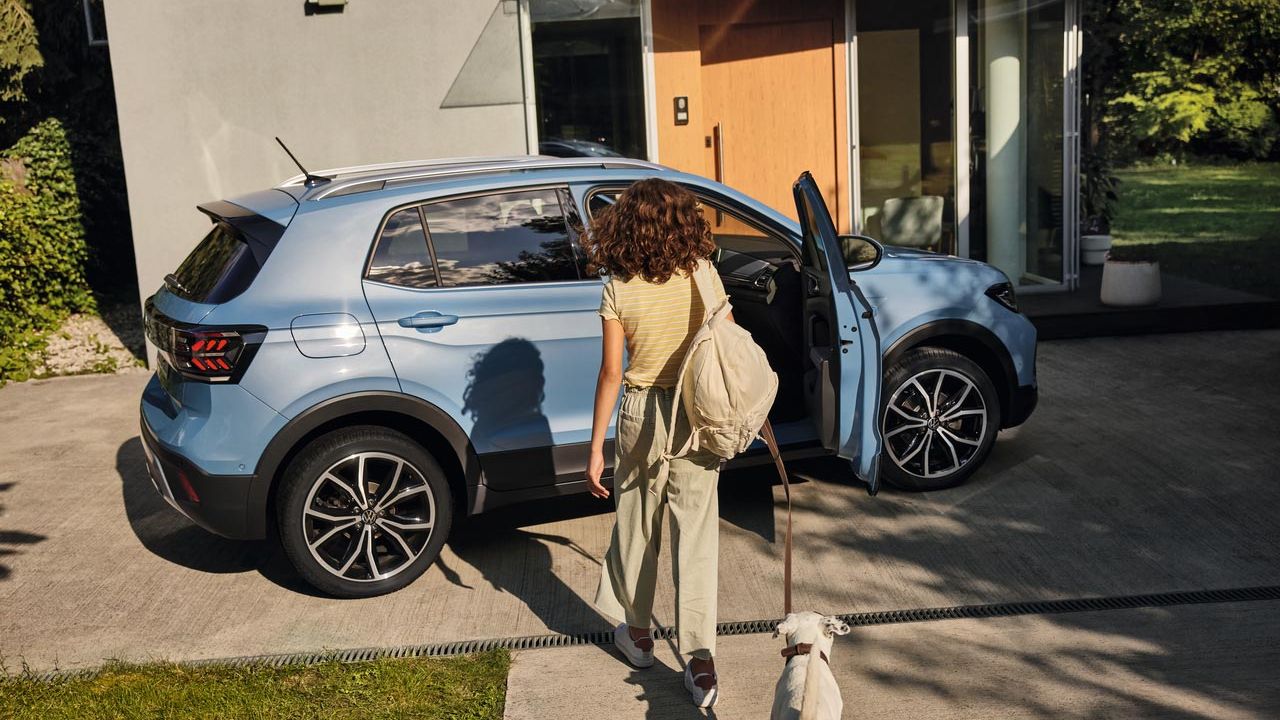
654, 229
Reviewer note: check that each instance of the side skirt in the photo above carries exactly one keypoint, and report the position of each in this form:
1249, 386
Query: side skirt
571, 481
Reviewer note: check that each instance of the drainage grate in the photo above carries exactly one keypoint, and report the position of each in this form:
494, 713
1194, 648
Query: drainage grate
746, 627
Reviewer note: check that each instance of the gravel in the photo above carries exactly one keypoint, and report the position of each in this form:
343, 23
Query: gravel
108, 343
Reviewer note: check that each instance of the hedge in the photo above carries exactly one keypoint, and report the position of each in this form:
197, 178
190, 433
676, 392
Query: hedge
42, 243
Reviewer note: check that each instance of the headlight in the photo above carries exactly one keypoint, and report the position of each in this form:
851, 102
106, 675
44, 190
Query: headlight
1003, 294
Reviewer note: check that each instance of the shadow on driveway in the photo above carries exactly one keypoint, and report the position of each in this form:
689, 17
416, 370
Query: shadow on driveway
512, 559
11, 540
173, 537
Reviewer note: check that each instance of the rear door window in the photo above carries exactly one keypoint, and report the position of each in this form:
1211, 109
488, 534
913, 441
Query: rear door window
221, 267
401, 256
503, 238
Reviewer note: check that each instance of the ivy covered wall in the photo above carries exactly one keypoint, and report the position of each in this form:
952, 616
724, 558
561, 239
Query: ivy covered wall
64, 222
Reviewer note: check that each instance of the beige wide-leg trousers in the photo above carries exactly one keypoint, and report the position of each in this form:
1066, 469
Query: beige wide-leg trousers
628, 575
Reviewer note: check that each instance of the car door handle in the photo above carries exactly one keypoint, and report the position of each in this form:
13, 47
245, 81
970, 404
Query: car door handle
428, 319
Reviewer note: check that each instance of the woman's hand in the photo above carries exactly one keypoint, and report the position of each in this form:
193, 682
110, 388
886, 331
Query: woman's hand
595, 468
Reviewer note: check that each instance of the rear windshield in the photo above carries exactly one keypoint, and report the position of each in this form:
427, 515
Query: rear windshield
220, 268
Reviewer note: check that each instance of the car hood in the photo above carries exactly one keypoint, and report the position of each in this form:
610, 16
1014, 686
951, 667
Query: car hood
906, 253
911, 270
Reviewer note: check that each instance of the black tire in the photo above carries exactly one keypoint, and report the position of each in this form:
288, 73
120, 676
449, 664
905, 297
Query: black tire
323, 482
922, 470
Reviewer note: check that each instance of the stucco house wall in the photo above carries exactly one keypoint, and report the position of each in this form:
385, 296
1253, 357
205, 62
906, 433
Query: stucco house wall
204, 87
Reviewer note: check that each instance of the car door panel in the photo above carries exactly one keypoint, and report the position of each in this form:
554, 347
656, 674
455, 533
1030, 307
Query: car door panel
842, 383
514, 363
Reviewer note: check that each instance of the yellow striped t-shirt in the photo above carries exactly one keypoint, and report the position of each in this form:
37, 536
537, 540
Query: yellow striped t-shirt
659, 320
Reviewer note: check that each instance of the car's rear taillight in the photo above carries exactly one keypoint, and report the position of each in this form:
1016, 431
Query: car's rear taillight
207, 353
211, 354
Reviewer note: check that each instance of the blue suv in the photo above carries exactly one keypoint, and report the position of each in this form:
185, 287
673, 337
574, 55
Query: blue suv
353, 360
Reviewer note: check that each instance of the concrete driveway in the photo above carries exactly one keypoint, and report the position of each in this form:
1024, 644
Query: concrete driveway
1151, 465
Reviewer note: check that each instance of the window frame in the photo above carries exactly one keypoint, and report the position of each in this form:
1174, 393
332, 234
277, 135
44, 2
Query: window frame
567, 205
94, 39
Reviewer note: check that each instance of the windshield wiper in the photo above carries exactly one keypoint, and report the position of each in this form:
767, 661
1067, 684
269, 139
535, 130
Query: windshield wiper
172, 281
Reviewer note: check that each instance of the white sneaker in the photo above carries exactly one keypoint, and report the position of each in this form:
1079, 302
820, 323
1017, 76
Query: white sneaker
701, 698
634, 655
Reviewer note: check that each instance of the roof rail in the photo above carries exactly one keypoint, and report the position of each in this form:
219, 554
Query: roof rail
372, 168
371, 178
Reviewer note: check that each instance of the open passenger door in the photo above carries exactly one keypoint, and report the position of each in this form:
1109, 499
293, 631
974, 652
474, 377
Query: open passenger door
843, 374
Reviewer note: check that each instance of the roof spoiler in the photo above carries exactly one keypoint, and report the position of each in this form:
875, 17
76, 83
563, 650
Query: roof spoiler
260, 233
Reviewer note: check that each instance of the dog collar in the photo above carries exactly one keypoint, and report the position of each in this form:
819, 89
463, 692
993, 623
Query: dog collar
791, 651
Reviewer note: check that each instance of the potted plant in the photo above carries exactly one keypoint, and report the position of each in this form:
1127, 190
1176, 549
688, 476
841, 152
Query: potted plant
1098, 192
1095, 240
1131, 276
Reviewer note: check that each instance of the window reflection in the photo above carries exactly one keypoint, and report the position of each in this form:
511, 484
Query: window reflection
905, 123
589, 80
503, 238
1016, 82
401, 257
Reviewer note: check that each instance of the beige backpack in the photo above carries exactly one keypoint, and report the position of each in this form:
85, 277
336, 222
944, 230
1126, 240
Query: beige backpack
725, 385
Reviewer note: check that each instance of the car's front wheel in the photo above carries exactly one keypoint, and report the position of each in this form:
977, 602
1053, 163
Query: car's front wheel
363, 511
939, 419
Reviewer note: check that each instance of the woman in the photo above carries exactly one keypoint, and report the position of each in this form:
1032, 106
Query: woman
650, 242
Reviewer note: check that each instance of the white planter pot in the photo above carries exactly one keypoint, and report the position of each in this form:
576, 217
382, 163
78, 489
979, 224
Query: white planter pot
1129, 284
1093, 249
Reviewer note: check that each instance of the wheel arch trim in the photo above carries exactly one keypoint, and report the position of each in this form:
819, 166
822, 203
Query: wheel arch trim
1006, 386
287, 440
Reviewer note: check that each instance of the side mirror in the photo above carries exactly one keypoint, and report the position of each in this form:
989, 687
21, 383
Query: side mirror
860, 252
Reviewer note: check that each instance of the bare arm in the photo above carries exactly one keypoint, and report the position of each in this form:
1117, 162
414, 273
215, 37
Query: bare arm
607, 384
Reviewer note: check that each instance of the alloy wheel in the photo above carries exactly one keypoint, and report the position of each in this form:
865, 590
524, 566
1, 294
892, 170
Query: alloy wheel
368, 516
934, 423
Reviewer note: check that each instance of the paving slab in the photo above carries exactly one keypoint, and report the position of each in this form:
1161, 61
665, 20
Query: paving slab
1201, 661
1151, 465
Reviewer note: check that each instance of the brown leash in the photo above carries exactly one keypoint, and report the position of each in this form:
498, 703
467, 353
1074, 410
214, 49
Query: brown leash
766, 432
790, 651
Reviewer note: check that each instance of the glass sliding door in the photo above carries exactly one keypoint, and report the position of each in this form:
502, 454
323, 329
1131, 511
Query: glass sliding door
1016, 210
905, 122
588, 77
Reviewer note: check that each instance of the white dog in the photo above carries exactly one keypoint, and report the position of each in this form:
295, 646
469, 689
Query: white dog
807, 689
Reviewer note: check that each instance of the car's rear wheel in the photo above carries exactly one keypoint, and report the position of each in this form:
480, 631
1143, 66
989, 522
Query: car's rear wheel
363, 511
939, 420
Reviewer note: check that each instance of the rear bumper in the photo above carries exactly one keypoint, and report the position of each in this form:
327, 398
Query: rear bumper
1021, 404
217, 503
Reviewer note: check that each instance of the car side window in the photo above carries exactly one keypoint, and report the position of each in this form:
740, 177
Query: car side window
503, 238
737, 234
402, 257
601, 200
731, 230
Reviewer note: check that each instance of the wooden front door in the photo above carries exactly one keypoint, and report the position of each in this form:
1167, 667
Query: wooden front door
769, 98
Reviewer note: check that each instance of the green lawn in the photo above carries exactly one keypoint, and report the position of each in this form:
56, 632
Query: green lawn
1215, 223
456, 688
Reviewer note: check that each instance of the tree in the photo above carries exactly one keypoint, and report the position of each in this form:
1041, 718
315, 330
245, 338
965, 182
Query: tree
19, 50
1191, 76
1176, 77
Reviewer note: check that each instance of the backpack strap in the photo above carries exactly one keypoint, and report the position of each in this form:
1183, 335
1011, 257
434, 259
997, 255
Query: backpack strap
702, 282
703, 285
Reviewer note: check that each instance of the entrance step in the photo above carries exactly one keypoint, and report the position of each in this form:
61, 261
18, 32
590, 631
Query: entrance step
1185, 306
